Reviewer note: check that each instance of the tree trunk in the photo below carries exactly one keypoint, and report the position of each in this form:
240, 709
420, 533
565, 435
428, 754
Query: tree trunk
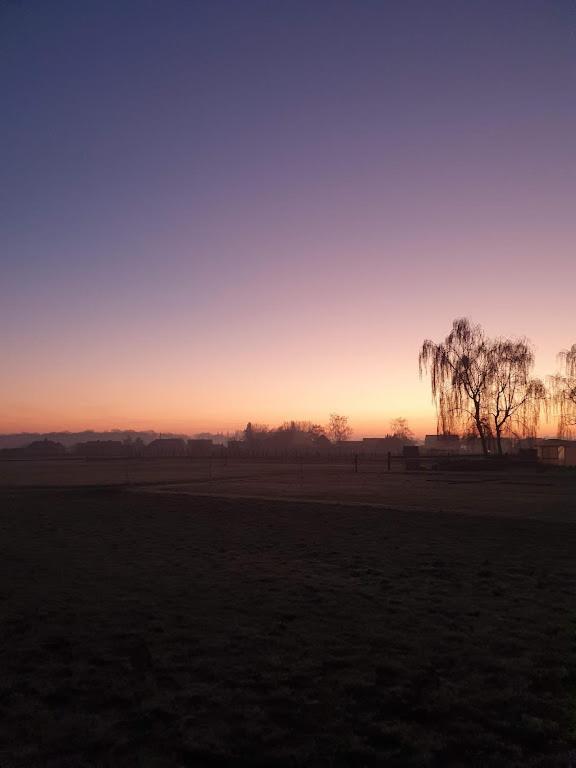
480, 428
498, 430
499, 441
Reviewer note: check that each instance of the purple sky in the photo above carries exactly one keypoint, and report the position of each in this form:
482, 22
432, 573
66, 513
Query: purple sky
219, 211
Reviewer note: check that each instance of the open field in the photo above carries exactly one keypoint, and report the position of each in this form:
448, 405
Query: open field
539, 494
72, 471
536, 493
165, 629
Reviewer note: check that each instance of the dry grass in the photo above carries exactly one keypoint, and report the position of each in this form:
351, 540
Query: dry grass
77, 471
163, 630
546, 495
539, 493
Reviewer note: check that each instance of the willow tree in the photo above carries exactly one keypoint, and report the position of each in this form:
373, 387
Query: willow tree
514, 399
563, 386
461, 369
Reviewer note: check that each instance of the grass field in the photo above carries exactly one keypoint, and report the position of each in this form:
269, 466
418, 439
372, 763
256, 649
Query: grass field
535, 493
171, 629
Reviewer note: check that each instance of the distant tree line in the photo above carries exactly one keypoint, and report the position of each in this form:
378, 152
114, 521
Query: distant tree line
297, 434
485, 385
303, 435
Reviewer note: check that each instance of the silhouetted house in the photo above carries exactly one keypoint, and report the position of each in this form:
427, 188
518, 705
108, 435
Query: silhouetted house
39, 449
322, 444
44, 448
378, 445
560, 452
200, 447
349, 446
101, 449
168, 446
442, 444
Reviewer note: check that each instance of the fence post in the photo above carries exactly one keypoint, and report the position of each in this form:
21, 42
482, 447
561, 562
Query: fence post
389, 461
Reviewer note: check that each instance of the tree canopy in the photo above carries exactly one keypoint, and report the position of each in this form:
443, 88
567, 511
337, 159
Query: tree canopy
339, 429
563, 386
483, 383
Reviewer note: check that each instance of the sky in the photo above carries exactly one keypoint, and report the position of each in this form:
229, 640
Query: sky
214, 211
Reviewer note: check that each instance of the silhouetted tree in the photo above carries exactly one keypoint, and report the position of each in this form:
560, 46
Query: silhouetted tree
460, 369
249, 433
563, 386
399, 428
514, 399
484, 383
300, 426
338, 428
291, 435
302, 432
255, 433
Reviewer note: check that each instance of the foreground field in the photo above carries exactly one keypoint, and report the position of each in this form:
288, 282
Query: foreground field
539, 492
145, 629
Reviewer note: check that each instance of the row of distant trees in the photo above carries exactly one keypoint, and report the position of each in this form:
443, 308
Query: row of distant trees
485, 385
292, 434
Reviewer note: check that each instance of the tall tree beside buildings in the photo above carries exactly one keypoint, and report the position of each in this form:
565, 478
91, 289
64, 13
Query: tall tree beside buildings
515, 399
460, 370
483, 383
563, 386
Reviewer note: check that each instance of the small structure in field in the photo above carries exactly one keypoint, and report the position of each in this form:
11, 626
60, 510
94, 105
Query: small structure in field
411, 454
561, 453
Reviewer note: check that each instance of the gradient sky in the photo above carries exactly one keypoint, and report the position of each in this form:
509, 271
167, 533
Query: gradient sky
218, 211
